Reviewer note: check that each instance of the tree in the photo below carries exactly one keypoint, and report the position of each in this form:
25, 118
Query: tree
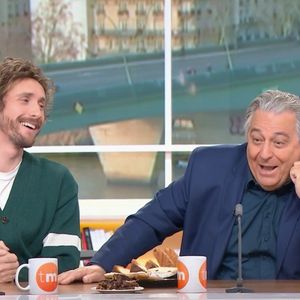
55, 35
287, 14
223, 19
276, 20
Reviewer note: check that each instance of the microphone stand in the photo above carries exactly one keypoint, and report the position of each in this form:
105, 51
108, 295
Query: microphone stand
239, 282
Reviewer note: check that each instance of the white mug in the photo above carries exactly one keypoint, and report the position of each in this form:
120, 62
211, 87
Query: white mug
42, 276
191, 274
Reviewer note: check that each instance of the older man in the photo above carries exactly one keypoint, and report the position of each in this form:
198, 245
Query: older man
262, 174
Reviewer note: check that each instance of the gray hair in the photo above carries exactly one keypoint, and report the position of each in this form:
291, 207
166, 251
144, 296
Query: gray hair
274, 101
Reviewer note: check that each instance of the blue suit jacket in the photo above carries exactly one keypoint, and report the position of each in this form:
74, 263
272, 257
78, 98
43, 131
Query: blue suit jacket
202, 204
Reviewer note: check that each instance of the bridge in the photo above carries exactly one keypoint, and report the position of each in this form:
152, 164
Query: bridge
128, 87
114, 96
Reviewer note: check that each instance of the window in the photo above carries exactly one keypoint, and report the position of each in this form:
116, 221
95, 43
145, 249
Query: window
123, 24
140, 6
140, 23
123, 6
113, 117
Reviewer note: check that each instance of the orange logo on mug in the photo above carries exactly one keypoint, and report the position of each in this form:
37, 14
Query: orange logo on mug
182, 275
46, 277
202, 275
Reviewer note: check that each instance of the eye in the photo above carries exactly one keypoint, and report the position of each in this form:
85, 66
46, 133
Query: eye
42, 105
26, 100
256, 140
279, 144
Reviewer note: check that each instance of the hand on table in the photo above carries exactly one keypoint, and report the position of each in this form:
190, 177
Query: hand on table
8, 264
87, 274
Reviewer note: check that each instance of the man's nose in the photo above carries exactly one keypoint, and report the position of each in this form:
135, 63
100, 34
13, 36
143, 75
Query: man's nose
36, 110
266, 151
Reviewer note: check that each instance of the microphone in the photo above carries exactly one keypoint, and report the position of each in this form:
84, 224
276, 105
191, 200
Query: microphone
238, 212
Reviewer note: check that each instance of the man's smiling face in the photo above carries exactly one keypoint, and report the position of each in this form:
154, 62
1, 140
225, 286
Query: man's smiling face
273, 147
24, 113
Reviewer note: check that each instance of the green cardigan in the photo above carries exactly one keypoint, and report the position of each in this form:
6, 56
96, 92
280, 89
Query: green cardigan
41, 216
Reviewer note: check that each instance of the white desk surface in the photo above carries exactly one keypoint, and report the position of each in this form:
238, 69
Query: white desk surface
216, 290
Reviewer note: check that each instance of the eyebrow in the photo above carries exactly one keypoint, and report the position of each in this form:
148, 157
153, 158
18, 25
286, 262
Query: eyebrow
29, 94
25, 94
275, 133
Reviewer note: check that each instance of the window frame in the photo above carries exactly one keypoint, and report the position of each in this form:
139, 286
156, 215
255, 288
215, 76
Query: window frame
91, 209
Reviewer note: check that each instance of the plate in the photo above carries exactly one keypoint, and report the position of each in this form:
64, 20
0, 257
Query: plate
158, 283
136, 289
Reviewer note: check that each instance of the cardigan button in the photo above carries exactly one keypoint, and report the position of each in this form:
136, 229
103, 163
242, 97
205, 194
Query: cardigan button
4, 220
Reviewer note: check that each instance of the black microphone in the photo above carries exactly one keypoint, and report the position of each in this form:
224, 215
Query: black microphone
238, 212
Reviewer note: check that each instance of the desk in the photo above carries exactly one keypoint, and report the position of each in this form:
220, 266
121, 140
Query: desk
216, 290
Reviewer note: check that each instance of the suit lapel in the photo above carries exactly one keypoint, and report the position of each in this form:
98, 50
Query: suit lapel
288, 222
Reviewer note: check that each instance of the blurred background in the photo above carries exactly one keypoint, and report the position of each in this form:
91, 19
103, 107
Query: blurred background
107, 59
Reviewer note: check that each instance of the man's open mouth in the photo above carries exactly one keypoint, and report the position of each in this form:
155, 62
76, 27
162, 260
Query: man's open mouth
30, 125
268, 168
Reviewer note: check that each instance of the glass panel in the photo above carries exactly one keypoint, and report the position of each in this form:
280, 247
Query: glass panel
15, 29
224, 54
119, 90
106, 59
180, 161
144, 131
114, 175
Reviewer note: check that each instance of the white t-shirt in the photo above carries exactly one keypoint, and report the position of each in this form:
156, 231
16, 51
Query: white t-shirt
6, 182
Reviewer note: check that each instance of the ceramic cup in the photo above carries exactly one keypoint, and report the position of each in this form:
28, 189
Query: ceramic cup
192, 274
42, 276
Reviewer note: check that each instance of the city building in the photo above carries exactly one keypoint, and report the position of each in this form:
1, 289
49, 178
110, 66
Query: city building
15, 28
136, 26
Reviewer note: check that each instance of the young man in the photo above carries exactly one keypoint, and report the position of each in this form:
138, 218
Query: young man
39, 213
262, 174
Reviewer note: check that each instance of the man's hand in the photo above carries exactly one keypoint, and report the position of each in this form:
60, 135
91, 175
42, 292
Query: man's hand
8, 264
295, 176
87, 274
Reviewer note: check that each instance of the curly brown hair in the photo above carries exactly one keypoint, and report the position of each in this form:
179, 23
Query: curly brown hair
14, 69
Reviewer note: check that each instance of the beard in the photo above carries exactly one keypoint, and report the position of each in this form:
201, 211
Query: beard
11, 128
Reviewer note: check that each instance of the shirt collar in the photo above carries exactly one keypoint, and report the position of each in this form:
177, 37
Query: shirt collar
251, 183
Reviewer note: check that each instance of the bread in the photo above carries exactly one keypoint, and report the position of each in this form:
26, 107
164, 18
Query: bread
166, 257
151, 264
117, 269
166, 267
172, 255
162, 272
120, 269
135, 266
131, 275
